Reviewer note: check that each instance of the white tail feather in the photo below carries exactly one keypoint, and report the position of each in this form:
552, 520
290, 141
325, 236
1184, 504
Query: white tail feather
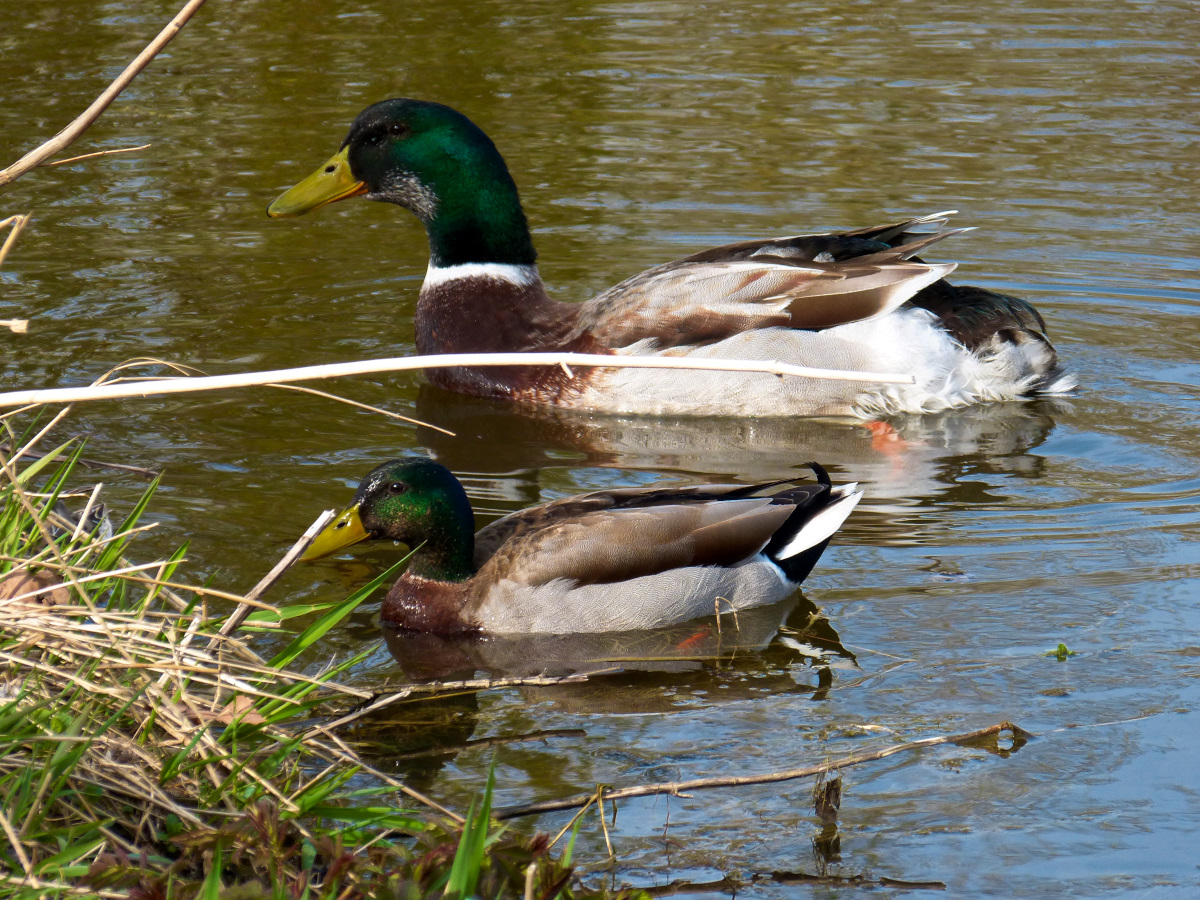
821, 526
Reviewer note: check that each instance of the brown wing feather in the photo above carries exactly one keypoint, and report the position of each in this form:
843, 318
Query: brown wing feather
492, 536
760, 284
618, 544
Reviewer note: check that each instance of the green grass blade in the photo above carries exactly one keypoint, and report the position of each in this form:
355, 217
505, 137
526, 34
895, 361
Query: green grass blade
26, 475
468, 859
369, 816
211, 889
112, 551
315, 631
53, 864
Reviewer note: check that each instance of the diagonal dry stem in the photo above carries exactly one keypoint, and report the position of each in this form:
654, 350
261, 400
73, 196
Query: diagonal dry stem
71, 133
375, 409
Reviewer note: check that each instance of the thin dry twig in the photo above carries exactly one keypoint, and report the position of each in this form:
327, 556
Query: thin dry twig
63, 162
33, 441
575, 818
159, 387
71, 133
603, 821
679, 788
238, 616
54, 887
15, 843
367, 407
345, 753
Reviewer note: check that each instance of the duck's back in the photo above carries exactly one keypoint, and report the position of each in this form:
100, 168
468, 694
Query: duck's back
631, 559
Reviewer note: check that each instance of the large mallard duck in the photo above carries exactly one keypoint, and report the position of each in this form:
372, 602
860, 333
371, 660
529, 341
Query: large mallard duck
613, 560
857, 300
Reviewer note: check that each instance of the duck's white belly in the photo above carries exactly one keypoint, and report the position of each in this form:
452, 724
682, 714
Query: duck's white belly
906, 340
563, 607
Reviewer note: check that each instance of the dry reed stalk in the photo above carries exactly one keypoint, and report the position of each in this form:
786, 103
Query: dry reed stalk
238, 616
161, 386
680, 788
375, 409
71, 133
32, 442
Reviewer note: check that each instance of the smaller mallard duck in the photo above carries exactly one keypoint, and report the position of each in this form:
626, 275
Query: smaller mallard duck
615, 560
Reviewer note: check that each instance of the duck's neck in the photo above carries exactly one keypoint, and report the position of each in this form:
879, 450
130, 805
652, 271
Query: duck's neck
478, 220
447, 552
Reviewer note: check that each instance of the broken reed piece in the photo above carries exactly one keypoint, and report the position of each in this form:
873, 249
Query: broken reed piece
18, 224
80, 158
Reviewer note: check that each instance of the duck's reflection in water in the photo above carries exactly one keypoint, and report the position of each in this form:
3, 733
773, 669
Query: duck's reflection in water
786, 648
656, 670
908, 463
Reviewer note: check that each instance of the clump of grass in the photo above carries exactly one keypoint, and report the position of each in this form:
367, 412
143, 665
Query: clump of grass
144, 754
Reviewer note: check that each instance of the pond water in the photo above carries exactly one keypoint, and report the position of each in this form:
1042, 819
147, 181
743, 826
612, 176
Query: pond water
639, 132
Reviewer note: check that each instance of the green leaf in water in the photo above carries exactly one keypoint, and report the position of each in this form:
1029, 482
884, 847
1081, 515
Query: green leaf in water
1061, 652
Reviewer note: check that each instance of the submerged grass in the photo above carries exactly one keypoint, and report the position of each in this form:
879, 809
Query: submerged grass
144, 754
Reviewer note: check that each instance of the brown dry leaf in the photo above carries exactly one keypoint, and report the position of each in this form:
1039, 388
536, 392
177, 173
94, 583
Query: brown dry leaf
52, 591
239, 709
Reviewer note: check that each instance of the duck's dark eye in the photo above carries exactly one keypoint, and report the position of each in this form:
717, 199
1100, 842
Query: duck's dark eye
397, 487
397, 129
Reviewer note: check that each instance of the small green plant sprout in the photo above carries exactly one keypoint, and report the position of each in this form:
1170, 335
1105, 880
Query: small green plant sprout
1060, 652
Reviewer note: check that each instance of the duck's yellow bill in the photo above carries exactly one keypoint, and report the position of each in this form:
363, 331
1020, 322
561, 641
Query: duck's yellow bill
332, 182
343, 531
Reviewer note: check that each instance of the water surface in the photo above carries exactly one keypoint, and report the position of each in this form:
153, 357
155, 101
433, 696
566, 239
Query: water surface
639, 132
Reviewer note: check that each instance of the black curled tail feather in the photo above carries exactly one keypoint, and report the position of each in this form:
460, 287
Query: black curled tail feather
978, 318
973, 315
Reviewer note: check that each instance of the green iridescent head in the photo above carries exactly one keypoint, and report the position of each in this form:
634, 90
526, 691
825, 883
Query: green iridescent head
435, 162
416, 502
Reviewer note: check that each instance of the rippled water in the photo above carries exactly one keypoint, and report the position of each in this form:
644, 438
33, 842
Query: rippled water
639, 132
